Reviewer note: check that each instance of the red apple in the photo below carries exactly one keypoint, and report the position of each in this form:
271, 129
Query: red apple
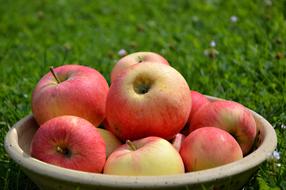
70, 142
135, 58
149, 99
149, 156
72, 90
177, 141
230, 116
198, 101
111, 141
209, 147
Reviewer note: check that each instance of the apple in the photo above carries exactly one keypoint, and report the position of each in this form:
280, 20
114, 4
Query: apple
135, 58
111, 141
209, 147
150, 156
230, 116
70, 90
70, 142
198, 101
149, 99
178, 140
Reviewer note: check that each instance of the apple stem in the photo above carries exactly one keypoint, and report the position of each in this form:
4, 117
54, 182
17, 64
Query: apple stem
54, 74
60, 150
131, 145
140, 59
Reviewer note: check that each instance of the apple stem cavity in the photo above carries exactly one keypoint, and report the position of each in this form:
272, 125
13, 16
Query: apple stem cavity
142, 89
54, 74
65, 151
141, 85
131, 145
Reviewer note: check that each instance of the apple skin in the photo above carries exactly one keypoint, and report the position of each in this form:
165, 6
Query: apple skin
230, 116
111, 141
82, 92
135, 58
70, 142
209, 147
178, 140
153, 156
149, 99
198, 101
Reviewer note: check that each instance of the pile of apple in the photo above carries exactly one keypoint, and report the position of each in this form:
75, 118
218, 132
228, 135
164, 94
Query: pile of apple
148, 122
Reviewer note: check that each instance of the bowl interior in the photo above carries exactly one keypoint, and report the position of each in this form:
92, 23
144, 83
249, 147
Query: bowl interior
18, 140
26, 133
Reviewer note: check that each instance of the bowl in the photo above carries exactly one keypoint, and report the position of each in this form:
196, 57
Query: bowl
49, 177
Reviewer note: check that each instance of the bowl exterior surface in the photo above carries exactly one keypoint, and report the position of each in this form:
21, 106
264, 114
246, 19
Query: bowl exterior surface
235, 182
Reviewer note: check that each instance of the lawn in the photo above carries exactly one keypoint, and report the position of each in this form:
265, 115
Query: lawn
230, 49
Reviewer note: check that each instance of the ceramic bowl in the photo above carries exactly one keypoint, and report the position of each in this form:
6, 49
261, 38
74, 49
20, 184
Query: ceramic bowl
50, 177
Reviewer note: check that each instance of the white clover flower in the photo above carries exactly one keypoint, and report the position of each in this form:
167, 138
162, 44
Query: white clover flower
212, 44
276, 155
233, 18
122, 52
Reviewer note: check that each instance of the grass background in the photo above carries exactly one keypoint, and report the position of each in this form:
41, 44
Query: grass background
247, 64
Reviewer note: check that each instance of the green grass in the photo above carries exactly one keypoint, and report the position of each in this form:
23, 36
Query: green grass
249, 65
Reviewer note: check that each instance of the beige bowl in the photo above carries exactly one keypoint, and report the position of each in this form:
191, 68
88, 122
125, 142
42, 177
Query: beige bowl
49, 177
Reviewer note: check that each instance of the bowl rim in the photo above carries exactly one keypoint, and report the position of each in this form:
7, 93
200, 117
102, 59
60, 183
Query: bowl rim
250, 161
